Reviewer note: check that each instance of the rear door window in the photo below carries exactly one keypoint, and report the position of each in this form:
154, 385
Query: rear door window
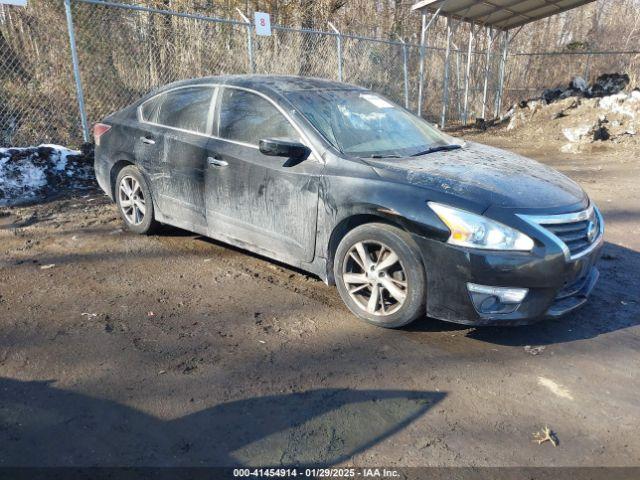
187, 109
248, 118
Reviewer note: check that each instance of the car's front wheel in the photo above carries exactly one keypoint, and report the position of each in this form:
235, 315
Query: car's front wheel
380, 276
133, 198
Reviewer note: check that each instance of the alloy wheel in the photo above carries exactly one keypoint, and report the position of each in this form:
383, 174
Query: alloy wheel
132, 201
375, 278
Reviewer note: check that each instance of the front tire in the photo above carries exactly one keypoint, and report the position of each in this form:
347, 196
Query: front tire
380, 276
133, 198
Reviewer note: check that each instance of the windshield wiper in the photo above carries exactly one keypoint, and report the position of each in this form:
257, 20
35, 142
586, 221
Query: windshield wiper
440, 148
377, 155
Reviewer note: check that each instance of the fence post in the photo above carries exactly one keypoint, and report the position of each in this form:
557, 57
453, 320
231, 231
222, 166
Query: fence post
405, 72
586, 68
252, 63
252, 60
339, 49
76, 71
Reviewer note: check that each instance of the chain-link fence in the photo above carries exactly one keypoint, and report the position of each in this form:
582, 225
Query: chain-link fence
37, 94
124, 51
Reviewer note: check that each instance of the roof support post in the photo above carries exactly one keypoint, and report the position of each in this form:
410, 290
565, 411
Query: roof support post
445, 80
421, 72
467, 75
456, 52
487, 71
503, 64
423, 40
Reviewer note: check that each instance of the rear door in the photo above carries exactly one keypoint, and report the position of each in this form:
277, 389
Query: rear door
266, 202
148, 143
184, 120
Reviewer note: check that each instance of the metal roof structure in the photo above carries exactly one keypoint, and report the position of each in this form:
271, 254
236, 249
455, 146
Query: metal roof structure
497, 17
498, 14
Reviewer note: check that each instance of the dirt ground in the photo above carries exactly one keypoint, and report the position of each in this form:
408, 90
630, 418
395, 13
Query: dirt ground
117, 349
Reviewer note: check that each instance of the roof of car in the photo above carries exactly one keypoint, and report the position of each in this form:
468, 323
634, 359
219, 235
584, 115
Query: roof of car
278, 83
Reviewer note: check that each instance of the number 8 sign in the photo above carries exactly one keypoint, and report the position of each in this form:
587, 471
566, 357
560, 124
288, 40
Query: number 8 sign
263, 23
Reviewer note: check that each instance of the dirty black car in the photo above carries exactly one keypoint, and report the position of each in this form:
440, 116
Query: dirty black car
341, 182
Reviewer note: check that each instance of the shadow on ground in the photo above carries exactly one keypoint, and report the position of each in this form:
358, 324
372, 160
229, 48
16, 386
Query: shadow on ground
42, 425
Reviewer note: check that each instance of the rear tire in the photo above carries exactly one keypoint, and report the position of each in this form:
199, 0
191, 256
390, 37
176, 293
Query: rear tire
380, 276
133, 198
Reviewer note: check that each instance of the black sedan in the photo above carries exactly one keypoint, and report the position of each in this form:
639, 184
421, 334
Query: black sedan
341, 182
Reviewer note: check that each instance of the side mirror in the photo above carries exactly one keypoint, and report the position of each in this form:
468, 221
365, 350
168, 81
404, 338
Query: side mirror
278, 147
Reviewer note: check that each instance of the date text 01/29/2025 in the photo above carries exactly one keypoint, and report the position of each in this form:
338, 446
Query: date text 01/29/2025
315, 473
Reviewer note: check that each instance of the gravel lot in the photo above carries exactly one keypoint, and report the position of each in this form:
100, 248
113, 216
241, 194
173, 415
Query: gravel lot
173, 349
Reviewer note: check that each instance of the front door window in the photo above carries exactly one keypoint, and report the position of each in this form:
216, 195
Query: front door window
246, 117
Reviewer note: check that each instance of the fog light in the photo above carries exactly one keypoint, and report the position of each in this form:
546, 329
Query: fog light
488, 299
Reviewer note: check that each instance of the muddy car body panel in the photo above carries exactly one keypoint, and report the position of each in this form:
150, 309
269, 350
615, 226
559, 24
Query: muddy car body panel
298, 210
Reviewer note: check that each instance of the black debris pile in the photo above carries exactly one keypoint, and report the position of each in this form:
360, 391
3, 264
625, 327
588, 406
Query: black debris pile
605, 85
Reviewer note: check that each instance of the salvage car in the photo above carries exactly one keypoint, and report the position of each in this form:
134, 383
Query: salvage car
339, 181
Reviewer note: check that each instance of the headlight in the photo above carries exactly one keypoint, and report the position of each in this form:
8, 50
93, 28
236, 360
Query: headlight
476, 231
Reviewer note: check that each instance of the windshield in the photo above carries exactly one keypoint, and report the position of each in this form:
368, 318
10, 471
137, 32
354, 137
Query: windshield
364, 124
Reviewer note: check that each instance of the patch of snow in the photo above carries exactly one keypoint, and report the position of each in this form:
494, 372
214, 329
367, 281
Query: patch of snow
579, 83
517, 120
555, 388
576, 134
509, 114
627, 105
62, 153
24, 177
533, 105
570, 148
30, 172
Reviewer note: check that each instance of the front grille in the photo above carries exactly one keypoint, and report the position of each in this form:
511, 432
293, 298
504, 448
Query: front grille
578, 231
575, 235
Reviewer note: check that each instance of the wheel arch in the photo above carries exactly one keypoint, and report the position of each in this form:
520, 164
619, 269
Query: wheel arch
347, 224
119, 164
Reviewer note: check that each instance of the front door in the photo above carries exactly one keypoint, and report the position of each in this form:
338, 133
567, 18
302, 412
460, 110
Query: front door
265, 202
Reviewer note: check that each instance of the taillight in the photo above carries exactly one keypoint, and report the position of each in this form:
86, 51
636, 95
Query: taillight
100, 129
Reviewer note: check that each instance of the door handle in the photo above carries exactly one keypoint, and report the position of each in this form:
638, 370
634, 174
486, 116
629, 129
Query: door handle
147, 140
216, 162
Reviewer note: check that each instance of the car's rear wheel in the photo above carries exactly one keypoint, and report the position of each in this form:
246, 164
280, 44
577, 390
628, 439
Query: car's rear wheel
133, 198
380, 276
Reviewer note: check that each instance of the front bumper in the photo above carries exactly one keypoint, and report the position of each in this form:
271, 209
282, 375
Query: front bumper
556, 285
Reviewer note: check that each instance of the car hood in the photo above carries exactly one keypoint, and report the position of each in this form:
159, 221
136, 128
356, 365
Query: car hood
485, 175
